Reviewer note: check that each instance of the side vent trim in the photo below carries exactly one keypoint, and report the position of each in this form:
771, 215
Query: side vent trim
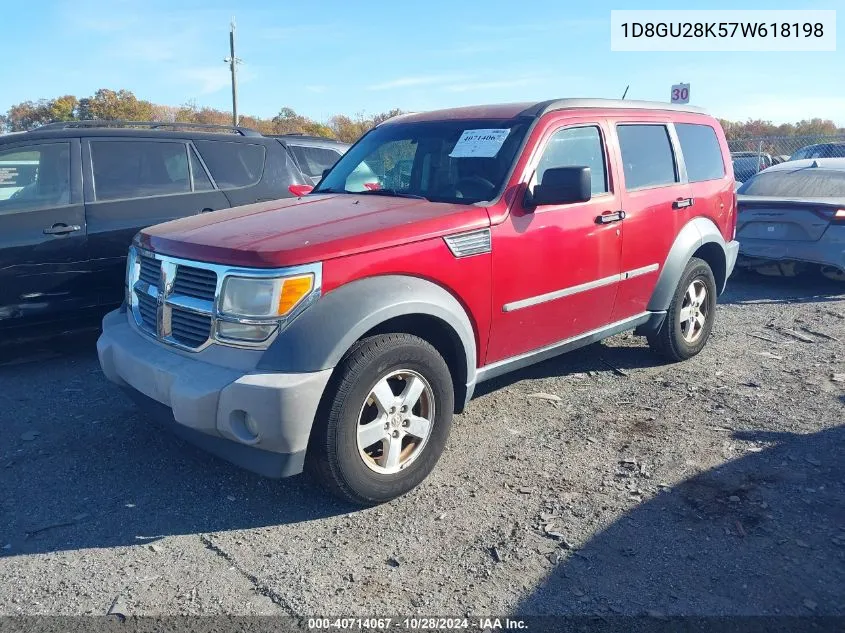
469, 243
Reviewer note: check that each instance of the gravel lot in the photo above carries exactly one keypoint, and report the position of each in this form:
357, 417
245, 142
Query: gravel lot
716, 486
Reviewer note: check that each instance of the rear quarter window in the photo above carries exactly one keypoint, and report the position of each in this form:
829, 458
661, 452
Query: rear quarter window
314, 160
810, 182
701, 150
233, 165
647, 156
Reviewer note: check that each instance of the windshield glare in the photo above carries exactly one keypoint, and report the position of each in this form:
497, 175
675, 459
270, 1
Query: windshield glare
810, 182
426, 159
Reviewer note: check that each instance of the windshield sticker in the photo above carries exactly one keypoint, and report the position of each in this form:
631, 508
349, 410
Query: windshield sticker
480, 143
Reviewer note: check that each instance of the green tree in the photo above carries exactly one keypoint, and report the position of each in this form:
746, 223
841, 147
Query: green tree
109, 105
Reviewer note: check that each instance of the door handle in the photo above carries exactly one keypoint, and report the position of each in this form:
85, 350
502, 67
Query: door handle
62, 229
683, 203
207, 210
610, 216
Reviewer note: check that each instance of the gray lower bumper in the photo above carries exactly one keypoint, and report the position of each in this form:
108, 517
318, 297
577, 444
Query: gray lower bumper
260, 421
731, 253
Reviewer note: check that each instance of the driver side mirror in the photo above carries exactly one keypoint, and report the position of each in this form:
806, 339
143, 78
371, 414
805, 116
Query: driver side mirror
326, 171
561, 185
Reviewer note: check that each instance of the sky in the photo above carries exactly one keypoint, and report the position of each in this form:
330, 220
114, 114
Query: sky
324, 57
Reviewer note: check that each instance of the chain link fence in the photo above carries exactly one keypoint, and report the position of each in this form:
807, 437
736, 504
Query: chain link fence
754, 154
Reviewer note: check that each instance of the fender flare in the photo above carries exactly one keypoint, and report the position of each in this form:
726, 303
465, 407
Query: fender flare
319, 337
695, 234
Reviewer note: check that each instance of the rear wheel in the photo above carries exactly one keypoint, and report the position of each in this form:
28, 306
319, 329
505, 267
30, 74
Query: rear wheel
385, 420
691, 314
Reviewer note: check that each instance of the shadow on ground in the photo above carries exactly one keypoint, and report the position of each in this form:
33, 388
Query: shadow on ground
764, 534
82, 467
750, 287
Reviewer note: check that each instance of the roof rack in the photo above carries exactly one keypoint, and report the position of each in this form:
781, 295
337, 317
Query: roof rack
153, 125
564, 104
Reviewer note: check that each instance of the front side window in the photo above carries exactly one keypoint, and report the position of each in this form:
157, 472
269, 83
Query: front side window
139, 169
702, 152
576, 147
457, 161
34, 177
647, 156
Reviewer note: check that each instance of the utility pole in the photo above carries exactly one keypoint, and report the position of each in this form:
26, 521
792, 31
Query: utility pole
233, 66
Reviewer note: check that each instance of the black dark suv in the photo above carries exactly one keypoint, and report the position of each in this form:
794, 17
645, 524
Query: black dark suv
72, 196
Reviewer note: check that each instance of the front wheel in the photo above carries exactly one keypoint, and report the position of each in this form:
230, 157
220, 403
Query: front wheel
691, 314
384, 421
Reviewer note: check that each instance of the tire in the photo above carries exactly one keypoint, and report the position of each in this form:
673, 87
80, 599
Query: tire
355, 398
675, 341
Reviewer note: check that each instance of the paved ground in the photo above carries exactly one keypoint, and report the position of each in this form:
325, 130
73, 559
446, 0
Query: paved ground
716, 486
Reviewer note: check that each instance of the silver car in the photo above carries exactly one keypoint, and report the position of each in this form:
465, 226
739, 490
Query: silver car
793, 214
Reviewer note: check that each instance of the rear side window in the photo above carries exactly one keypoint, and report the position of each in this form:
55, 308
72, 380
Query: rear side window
314, 160
34, 177
138, 169
233, 165
576, 147
647, 156
701, 150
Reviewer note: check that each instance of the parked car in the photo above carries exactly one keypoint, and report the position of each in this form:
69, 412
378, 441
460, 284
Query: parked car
343, 330
820, 150
72, 196
313, 154
795, 213
746, 164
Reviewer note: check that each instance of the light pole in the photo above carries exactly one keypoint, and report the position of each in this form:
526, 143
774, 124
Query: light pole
233, 62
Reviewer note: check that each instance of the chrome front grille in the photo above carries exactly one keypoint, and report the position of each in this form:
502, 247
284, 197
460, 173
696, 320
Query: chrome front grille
150, 270
172, 300
195, 282
177, 301
189, 328
147, 309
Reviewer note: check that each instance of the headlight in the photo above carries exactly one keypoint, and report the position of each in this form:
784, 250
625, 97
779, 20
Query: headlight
252, 307
258, 298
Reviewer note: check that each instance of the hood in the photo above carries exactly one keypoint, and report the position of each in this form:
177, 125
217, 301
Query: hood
314, 228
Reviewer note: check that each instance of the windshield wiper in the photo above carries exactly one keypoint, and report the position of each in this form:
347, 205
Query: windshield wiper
330, 190
391, 192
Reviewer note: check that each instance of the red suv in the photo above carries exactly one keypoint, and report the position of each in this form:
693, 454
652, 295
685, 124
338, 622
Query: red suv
340, 331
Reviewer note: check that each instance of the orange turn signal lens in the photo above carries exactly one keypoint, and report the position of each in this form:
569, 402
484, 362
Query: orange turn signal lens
294, 290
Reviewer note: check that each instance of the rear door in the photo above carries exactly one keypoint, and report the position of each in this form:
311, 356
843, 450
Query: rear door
657, 202
43, 256
711, 186
133, 183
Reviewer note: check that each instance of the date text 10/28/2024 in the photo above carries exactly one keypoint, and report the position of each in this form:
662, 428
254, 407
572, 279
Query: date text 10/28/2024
417, 624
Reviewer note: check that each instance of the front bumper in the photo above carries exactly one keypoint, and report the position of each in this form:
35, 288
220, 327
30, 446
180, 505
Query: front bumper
259, 421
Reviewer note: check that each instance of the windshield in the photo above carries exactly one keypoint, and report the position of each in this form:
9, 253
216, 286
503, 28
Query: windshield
810, 182
461, 161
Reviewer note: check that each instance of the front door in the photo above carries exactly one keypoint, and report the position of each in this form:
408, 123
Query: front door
136, 183
43, 255
556, 268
